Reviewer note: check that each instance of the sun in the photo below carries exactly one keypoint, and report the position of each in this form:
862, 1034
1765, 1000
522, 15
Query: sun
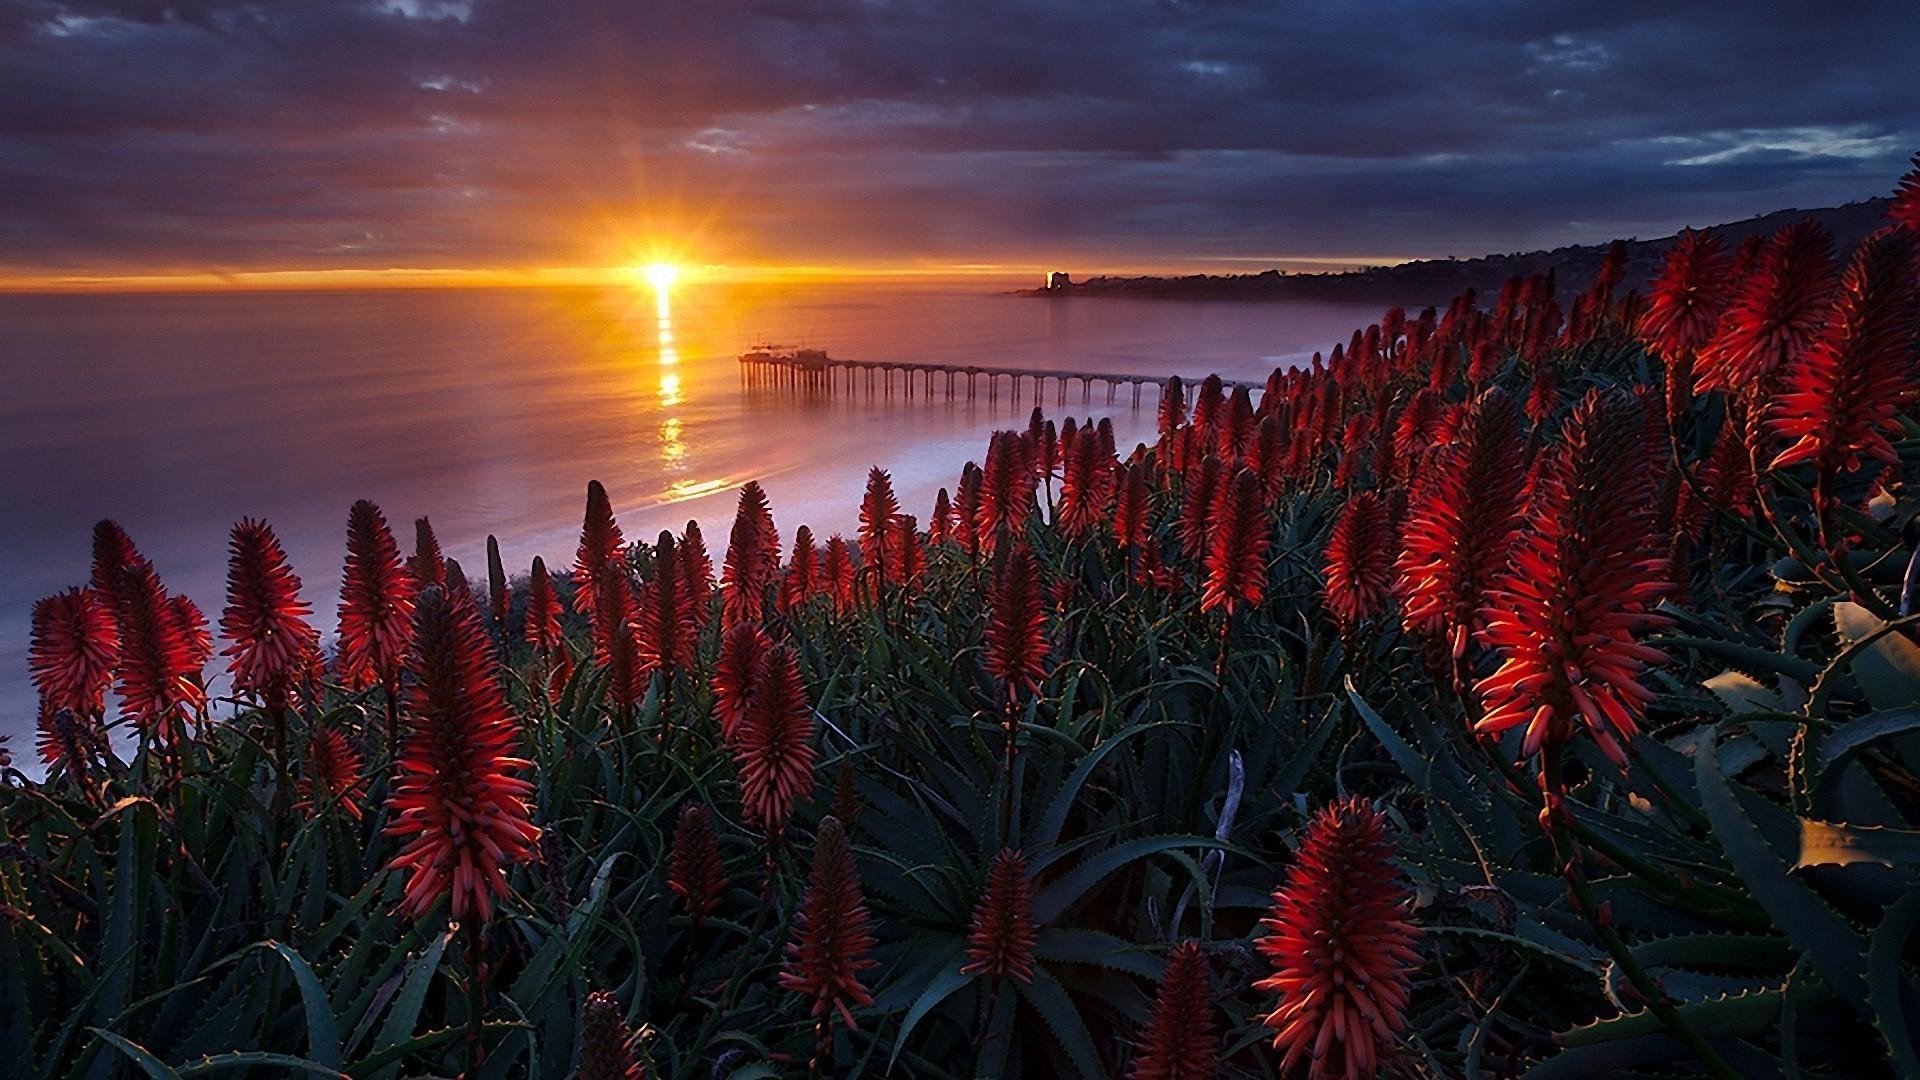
661, 276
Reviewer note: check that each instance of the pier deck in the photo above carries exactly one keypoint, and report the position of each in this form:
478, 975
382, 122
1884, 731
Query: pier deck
814, 372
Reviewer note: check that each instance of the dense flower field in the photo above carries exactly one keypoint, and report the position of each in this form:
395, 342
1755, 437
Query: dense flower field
1517, 688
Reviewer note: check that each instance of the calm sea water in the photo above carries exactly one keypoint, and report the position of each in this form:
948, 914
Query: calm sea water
489, 410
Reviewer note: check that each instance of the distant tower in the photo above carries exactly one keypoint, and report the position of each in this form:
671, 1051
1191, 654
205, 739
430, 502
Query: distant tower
1058, 280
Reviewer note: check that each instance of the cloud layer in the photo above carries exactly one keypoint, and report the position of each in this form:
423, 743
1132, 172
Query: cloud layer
200, 135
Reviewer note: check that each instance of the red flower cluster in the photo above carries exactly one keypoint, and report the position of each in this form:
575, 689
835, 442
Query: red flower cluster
265, 618
333, 774
1016, 640
1180, 1043
1001, 939
1584, 576
609, 1050
666, 632
695, 871
1342, 947
1359, 561
376, 603
1236, 560
74, 645
426, 564
753, 559
832, 934
543, 610
457, 805
1775, 315
772, 739
877, 511
601, 542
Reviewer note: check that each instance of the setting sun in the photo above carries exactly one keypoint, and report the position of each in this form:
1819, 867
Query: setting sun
661, 275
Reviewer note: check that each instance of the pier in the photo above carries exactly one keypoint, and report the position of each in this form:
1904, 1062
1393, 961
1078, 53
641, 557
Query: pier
813, 371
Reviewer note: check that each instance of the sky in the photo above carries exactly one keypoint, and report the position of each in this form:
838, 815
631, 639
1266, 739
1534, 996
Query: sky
226, 139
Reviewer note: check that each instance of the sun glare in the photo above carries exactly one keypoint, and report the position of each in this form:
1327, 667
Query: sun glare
662, 276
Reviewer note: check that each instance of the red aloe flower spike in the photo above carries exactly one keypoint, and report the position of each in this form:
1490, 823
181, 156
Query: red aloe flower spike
772, 742
457, 804
1196, 510
1131, 509
1172, 416
75, 644
752, 562
1236, 561
1086, 485
332, 776
832, 934
71, 744
734, 673
543, 610
667, 635
1359, 567
1006, 491
1686, 299
426, 564
940, 524
1001, 940
1180, 1042
1727, 474
696, 567
797, 586
1016, 639
1905, 209
1775, 315
1581, 583
907, 552
1235, 430
376, 603
265, 619
617, 641
877, 511
966, 508
1461, 523
496, 585
696, 872
1845, 396
192, 626
1209, 408
601, 542
608, 1049
1342, 946
837, 573
112, 549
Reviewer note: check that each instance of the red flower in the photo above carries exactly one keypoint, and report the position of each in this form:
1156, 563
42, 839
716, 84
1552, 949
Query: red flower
1775, 315
1131, 509
940, 524
265, 618
1006, 490
753, 559
601, 542
832, 933
192, 625
1461, 524
697, 568
457, 804
1727, 473
1196, 510
1236, 561
966, 508
906, 552
667, 635
837, 573
112, 549
772, 742
1845, 395
802, 577
1905, 211
70, 743
426, 564
617, 641
376, 602
877, 511
609, 1050
1686, 297
734, 671
1016, 641
1086, 485
1180, 1043
1342, 947
543, 610
1359, 568
1582, 580
332, 776
695, 871
1001, 940
74, 645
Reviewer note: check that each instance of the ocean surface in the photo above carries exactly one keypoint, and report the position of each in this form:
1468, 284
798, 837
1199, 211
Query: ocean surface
488, 410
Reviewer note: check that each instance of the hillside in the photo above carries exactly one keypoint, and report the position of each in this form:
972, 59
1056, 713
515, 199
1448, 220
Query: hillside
1435, 281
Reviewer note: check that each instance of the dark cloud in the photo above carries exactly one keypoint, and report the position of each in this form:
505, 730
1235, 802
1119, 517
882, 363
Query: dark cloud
206, 135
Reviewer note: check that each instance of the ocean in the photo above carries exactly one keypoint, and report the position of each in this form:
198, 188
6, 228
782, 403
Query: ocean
488, 410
